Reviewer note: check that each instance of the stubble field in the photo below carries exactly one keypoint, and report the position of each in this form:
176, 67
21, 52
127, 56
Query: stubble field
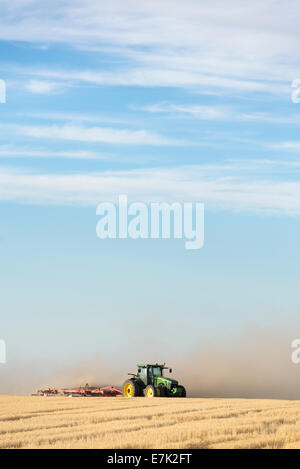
62, 422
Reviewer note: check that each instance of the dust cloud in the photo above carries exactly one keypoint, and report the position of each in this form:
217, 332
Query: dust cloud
253, 364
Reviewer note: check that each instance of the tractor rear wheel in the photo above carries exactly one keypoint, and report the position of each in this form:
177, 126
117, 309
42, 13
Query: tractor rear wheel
150, 391
183, 391
131, 388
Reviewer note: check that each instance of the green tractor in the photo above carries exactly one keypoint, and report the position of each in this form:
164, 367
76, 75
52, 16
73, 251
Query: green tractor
150, 382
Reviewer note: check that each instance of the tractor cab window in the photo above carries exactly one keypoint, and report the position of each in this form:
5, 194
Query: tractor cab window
143, 375
155, 371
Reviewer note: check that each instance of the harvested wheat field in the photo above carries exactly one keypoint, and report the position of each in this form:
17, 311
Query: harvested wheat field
62, 422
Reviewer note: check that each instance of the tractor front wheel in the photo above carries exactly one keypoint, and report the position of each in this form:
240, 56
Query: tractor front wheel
150, 391
131, 388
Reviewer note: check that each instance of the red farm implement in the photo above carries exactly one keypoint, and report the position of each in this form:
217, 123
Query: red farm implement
86, 391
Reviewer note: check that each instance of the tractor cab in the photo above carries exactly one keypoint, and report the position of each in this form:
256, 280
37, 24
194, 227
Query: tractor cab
146, 373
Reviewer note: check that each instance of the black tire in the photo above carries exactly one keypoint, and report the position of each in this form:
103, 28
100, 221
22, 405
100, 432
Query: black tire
183, 391
131, 388
161, 392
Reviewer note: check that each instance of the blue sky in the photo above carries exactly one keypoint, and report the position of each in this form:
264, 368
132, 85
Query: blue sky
160, 102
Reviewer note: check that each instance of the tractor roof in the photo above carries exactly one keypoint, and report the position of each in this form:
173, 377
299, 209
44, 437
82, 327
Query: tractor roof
144, 365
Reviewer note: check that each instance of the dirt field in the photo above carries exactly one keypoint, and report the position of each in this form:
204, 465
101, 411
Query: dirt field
63, 422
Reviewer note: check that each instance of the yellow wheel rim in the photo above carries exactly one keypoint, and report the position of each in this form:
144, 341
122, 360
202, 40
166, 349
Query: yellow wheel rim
128, 390
149, 392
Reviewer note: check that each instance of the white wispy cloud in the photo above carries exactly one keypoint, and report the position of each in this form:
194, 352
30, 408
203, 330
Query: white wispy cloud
93, 134
219, 113
42, 87
13, 152
286, 146
152, 75
225, 44
69, 117
196, 111
226, 186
